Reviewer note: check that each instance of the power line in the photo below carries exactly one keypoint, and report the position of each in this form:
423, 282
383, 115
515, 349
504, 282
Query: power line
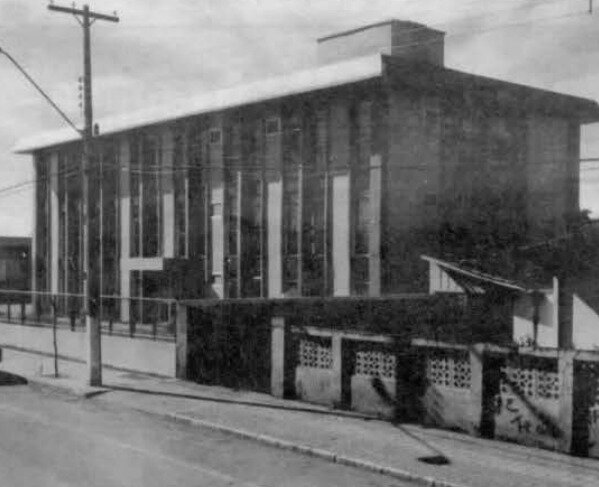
40, 90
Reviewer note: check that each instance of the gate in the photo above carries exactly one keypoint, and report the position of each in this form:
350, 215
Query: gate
229, 345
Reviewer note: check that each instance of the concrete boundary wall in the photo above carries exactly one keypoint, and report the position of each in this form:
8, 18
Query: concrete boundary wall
547, 398
133, 354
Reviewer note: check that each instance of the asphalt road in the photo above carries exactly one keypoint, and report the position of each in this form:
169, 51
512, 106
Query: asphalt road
49, 439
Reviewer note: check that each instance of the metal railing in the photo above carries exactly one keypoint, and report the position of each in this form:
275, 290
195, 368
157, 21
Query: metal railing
145, 317
136, 317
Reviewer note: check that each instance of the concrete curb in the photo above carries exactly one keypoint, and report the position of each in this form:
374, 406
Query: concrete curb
83, 392
58, 384
304, 449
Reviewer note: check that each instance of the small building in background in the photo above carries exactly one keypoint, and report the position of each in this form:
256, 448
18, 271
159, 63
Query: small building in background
15, 267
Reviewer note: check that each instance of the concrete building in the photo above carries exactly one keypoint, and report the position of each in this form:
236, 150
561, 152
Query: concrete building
308, 184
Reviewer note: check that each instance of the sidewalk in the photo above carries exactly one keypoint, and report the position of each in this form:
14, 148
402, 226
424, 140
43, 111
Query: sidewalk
335, 435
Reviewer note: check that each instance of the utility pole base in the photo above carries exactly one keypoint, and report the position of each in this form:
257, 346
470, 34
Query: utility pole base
94, 355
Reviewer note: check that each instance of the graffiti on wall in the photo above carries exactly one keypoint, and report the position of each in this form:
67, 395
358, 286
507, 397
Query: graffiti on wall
527, 405
522, 418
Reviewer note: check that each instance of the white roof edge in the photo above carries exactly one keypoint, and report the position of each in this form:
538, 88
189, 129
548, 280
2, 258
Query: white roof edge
328, 76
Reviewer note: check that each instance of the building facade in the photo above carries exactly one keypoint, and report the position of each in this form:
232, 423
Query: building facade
310, 184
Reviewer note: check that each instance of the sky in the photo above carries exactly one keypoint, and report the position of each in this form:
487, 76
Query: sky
163, 49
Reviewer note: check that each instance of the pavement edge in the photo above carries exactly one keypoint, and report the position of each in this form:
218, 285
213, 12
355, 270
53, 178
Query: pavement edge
304, 449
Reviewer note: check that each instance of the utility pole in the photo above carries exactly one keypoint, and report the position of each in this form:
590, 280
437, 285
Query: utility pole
91, 291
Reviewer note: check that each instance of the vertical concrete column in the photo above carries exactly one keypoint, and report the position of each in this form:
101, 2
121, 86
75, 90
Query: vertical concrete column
572, 168
337, 368
555, 303
181, 343
274, 212
125, 226
477, 401
168, 194
341, 198
125, 291
277, 360
217, 210
239, 240
36, 232
341, 202
374, 243
274, 246
565, 309
565, 369
54, 225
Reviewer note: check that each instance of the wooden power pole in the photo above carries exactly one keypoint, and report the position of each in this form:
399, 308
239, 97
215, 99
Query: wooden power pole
91, 291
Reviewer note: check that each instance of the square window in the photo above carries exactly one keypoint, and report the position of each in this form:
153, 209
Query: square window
215, 136
430, 199
290, 269
272, 126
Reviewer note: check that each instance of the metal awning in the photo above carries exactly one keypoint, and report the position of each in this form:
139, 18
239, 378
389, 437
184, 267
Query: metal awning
477, 282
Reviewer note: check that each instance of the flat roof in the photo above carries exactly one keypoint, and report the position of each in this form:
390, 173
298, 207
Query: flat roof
352, 71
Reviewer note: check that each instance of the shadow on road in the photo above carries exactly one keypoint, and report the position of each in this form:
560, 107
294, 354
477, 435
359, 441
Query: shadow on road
437, 457
7, 379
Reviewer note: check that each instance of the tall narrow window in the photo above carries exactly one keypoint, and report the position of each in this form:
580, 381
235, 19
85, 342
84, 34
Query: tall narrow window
110, 229
292, 168
146, 197
181, 184
361, 135
198, 177
151, 197
315, 208
233, 181
135, 291
251, 251
135, 195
